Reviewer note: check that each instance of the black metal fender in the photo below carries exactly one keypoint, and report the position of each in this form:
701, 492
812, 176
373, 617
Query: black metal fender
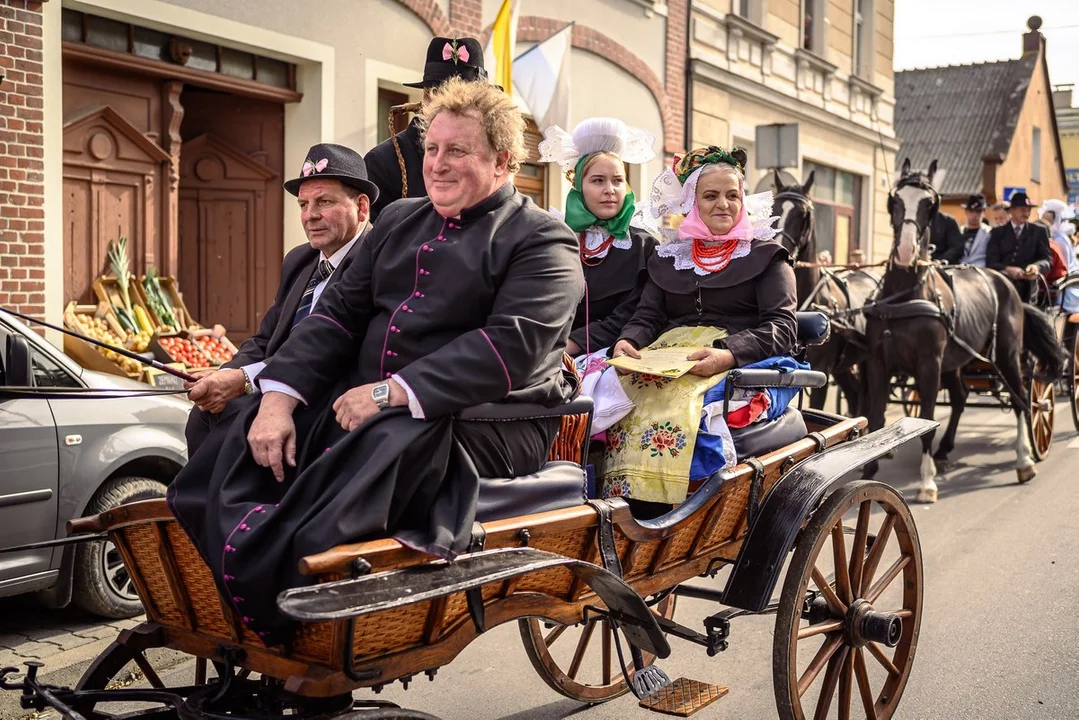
791, 500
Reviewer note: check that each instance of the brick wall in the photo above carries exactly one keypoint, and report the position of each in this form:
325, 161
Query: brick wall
466, 17
22, 223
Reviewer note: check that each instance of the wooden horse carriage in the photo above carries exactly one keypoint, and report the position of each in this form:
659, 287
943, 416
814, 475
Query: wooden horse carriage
379, 612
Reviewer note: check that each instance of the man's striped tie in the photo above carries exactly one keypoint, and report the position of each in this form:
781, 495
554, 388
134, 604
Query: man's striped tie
323, 271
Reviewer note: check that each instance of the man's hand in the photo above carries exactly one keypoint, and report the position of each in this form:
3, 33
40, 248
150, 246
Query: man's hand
356, 407
215, 388
272, 436
711, 361
1013, 272
1032, 271
624, 347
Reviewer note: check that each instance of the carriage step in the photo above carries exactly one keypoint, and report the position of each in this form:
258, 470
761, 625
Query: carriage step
683, 697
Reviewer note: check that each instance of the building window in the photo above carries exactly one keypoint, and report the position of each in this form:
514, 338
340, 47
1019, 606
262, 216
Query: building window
1036, 156
809, 12
837, 206
388, 99
532, 179
742, 8
863, 10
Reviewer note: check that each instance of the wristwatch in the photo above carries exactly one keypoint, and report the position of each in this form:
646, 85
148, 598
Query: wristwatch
249, 389
381, 395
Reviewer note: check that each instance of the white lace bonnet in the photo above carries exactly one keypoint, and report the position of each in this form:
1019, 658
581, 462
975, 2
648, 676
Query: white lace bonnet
598, 134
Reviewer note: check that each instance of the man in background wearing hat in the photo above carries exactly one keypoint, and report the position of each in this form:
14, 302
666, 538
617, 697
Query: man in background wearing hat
1020, 248
975, 232
335, 198
446, 58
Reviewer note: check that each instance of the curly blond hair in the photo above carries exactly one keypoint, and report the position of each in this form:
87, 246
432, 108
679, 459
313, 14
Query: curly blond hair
502, 121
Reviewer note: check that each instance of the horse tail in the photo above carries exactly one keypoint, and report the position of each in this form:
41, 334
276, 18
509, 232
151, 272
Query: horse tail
1040, 340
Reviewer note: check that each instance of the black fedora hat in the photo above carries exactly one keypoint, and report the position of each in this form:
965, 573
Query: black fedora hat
1020, 199
327, 161
447, 57
975, 202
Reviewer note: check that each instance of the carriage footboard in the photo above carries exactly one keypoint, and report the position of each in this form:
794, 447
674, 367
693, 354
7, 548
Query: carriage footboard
356, 597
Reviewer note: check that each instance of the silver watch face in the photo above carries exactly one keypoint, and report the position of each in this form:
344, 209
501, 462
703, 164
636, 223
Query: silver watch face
380, 393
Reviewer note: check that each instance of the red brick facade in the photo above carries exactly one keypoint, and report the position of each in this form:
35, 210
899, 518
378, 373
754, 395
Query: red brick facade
668, 91
22, 214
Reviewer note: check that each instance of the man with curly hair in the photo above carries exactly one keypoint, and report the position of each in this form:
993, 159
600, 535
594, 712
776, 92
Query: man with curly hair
461, 298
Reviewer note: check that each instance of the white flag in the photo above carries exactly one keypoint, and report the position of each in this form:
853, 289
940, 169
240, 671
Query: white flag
541, 78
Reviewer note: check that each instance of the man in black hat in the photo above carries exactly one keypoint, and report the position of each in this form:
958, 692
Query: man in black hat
446, 58
1019, 248
335, 199
975, 232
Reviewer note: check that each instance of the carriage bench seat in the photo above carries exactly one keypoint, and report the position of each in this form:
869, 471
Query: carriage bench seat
558, 484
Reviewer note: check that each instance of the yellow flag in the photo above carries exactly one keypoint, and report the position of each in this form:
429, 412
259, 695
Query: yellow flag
502, 45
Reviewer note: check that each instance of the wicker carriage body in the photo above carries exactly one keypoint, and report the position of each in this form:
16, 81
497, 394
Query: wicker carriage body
185, 609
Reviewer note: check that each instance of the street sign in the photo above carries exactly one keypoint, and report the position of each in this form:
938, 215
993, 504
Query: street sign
776, 146
1009, 191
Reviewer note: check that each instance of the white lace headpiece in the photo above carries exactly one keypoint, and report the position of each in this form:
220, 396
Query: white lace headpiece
670, 197
599, 134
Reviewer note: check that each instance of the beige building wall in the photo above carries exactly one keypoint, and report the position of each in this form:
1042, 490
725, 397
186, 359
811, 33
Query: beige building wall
1017, 168
752, 71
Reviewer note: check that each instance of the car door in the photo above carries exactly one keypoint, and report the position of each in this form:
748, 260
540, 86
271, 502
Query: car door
29, 477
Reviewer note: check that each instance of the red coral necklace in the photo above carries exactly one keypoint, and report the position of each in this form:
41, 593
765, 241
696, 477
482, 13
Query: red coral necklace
588, 255
713, 257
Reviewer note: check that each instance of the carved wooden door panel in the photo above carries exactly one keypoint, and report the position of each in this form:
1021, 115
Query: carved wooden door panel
222, 219
111, 178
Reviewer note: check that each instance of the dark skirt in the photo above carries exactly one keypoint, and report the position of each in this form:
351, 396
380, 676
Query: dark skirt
416, 480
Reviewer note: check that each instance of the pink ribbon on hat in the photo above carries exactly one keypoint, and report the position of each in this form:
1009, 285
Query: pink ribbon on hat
454, 52
318, 167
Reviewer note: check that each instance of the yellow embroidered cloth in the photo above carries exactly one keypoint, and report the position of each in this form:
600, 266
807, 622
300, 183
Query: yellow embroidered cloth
649, 452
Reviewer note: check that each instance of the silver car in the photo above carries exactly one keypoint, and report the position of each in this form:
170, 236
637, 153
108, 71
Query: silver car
64, 456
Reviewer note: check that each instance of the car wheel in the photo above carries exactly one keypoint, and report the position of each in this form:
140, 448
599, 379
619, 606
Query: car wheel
102, 585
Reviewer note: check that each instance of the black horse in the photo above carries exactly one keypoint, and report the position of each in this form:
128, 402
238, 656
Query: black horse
928, 326
834, 293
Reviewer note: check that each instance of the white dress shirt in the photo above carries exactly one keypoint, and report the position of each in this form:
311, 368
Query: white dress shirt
252, 371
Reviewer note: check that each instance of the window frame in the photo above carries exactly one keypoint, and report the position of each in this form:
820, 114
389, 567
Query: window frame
1036, 154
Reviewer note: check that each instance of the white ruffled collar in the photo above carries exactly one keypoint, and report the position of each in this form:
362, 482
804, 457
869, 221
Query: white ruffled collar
594, 237
681, 251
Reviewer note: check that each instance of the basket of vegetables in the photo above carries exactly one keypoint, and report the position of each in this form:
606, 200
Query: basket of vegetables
100, 323
167, 318
214, 345
179, 348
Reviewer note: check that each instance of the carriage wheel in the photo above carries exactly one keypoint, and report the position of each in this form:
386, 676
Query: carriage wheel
1042, 398
908, 395
579, 662
862, 629
1073, 380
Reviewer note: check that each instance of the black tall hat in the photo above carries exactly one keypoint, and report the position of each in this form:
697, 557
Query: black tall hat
1020, 199
327, 161
975, 202
449, 57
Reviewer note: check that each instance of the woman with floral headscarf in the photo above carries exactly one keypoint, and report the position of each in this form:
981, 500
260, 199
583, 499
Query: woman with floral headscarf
599, 208
722, 288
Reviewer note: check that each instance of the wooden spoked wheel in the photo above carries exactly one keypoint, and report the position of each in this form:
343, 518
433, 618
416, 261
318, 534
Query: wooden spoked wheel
1042, 398
854, 637
1073, 376
580, 661
912, 401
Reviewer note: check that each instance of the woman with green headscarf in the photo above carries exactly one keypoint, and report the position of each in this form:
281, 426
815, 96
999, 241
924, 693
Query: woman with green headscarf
599, 207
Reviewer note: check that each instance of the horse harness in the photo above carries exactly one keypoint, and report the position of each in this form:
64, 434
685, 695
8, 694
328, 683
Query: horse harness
800, 242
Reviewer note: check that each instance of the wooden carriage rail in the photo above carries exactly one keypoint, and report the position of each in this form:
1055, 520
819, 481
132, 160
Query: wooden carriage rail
181, 598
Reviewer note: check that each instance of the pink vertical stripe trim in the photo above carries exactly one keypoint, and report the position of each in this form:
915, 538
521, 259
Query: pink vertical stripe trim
509, 382
228, 541
389, 323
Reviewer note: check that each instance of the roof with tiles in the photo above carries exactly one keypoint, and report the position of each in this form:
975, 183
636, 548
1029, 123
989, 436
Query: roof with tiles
959, 114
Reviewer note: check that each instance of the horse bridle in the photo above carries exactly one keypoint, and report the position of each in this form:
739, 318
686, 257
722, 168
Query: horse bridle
922, 183
801, 241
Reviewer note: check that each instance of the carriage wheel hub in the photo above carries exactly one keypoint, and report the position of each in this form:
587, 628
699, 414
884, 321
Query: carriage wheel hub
863, 625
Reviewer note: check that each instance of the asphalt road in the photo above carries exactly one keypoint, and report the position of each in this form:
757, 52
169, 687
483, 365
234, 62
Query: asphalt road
999, 636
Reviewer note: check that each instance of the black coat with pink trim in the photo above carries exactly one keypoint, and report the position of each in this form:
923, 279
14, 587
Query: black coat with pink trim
466, 311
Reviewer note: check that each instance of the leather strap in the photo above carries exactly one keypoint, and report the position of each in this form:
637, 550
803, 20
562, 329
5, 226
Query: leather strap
474, 597
755, 487
608, 551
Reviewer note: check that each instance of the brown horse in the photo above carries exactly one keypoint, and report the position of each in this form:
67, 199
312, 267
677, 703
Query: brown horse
929, 326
